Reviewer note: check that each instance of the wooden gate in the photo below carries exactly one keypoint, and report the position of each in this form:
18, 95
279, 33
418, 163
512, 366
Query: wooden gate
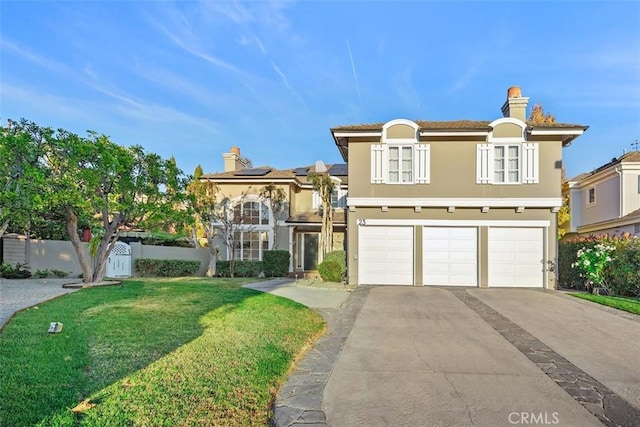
119, 262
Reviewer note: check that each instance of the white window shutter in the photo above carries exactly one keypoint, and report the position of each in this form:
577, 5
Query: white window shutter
423, 159
316, 203
379, 164
530, 163
484, 164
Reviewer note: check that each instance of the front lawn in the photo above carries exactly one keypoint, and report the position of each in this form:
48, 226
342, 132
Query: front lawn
632, 305
156, 352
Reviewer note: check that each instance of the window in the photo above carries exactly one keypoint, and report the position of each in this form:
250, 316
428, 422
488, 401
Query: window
591, 196
506, 167
638, 184
250, 245
252, 212
400, 164
507, 163
253, 231
338, 198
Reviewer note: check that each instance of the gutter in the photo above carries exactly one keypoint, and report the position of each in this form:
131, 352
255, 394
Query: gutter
617, 169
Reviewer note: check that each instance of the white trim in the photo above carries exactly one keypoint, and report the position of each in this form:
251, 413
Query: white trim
511, 120
458, 222
479, 202
556, 132
356, 133
453, 133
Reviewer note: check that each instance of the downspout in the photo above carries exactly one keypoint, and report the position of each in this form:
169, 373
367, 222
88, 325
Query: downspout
621, 192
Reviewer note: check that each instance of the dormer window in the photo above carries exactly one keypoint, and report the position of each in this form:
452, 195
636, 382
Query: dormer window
401, 158
507, 158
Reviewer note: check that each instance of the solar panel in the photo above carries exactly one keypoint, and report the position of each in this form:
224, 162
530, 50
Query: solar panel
301, 171
253, 172
338, 169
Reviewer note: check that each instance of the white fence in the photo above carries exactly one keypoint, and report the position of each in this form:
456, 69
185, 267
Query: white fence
60, 255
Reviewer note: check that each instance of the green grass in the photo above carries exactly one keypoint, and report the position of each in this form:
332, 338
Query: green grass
632, 305
156, 352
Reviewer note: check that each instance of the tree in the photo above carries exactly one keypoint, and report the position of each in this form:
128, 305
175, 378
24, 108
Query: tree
538, 117
119, 187
275, 197
203, 199
324, 185
22, 173
564, 214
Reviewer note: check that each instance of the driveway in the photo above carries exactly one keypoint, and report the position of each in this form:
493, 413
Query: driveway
485, 357
16, 295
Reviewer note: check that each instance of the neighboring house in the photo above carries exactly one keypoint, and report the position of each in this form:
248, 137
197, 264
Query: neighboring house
470, 203
298, 225
607, 200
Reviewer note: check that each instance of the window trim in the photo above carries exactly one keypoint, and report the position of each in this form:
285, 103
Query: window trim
400, 146
588, 201
506, 146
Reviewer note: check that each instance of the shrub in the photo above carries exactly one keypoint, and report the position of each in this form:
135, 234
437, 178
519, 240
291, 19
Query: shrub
338, 256
19, 271
275, 263
41, 274
330, 271
241, 268
622, 274
592, 263
59, 273
166, 267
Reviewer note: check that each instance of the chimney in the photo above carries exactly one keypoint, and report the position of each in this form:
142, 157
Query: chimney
233, 161
516, 105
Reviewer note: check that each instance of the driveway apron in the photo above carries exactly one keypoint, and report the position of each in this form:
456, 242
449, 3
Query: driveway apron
433, 357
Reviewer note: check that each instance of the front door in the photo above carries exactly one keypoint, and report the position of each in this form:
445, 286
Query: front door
310, 256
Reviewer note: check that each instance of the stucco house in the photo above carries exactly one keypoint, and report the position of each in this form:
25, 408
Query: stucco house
606, 200
297, 226
464, 202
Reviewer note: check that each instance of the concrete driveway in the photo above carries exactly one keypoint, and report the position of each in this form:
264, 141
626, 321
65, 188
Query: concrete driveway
485, 357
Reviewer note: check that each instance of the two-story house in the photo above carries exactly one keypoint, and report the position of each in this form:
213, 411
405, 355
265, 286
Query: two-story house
470, 203
606, 200
296, 228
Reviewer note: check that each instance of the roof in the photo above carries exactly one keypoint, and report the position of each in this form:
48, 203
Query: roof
268, 173
632, 156
313, 217
452, 124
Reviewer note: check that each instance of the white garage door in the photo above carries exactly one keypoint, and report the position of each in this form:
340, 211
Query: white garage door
515, 256
450, 256
385, 255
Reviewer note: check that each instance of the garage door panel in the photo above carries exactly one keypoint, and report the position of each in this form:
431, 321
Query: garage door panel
385, 255
449, 256
514, 257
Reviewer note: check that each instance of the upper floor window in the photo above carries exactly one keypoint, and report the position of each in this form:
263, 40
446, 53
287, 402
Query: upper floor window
400, 158
401, 164
507, 158
251, 212
338, 197
506, 161
591, 196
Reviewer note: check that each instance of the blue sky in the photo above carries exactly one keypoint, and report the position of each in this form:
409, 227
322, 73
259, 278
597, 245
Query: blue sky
190, 79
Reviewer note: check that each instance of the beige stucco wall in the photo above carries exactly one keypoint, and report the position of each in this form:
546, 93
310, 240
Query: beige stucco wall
631, 191
401, 131
507, 130
60, 255
453, 174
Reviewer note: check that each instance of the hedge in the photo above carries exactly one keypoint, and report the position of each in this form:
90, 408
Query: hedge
166, 267
330, 271
275, 263
623, 274
241, 268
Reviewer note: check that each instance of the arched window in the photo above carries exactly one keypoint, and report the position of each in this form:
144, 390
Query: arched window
253, 229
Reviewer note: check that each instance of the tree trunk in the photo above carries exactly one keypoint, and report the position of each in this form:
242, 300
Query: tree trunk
71, 224
213, 258
104, 250
3, 228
